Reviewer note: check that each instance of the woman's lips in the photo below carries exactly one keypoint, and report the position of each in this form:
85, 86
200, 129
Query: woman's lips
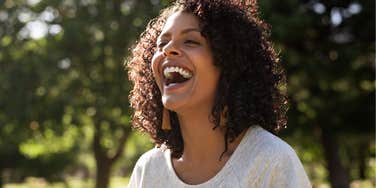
175, 86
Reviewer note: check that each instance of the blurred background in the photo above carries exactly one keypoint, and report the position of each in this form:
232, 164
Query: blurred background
64, 111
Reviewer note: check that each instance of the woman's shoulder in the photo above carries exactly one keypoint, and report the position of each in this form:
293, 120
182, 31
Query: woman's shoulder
268, 156
151, 157
283, 162
269, 146
149, 168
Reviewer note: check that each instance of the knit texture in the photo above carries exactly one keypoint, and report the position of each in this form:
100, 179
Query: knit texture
261, 160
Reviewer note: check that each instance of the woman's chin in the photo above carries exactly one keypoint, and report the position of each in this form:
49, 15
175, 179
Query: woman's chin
172, 103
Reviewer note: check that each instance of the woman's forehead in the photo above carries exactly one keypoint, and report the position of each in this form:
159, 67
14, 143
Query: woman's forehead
180, 22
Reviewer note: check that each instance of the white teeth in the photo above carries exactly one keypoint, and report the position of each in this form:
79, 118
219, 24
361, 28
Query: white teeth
168, 70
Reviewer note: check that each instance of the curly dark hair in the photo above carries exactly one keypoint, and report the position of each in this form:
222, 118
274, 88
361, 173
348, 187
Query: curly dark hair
252, 83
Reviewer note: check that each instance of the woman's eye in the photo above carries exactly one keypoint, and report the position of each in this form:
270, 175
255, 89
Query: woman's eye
191, 42
161, 44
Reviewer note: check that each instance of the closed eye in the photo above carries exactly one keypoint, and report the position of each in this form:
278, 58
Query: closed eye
188, 42
191, 42
161, 44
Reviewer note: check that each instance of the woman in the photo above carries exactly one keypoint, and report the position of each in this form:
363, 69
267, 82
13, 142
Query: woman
207, 88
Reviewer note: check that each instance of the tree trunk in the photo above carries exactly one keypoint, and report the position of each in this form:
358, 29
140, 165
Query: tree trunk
337, 173
1, 178
103, 161
363, 149
103, 173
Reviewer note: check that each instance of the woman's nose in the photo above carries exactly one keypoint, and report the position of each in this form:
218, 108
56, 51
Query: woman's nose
171, 49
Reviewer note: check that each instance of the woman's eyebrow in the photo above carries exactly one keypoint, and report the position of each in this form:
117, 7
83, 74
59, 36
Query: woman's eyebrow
190, 30
184, 31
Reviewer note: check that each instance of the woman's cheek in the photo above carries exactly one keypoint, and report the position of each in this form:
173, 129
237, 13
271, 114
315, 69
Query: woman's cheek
155, 63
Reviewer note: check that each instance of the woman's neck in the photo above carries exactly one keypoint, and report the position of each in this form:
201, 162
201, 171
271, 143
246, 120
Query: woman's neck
201, 141
203, 147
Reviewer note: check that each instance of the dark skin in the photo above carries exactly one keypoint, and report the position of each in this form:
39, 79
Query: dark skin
250, 89
199, 170
182, 45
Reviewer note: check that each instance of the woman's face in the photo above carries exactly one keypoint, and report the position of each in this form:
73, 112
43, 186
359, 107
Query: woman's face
183, 65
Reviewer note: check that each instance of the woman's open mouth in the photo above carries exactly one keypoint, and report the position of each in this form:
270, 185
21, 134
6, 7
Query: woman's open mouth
176, 75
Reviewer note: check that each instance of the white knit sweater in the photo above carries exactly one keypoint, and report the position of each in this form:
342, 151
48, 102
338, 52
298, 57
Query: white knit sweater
261, 160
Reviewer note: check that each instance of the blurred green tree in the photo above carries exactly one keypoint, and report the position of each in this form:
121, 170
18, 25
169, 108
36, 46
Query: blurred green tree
328, 48
62, 84
62, 78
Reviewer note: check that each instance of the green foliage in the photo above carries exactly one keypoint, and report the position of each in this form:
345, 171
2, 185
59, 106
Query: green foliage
328, 49
63, 86
116, 182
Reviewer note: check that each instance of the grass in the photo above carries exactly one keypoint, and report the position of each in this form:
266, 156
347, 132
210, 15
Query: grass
354, 184
32, 182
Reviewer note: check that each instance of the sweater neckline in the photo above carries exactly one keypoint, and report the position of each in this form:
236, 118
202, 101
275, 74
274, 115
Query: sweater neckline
225, 169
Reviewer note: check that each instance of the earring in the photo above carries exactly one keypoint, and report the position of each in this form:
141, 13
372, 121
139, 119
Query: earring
166, 124
223, 120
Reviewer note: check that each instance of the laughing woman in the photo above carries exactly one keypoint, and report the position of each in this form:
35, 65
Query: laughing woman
207, 89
